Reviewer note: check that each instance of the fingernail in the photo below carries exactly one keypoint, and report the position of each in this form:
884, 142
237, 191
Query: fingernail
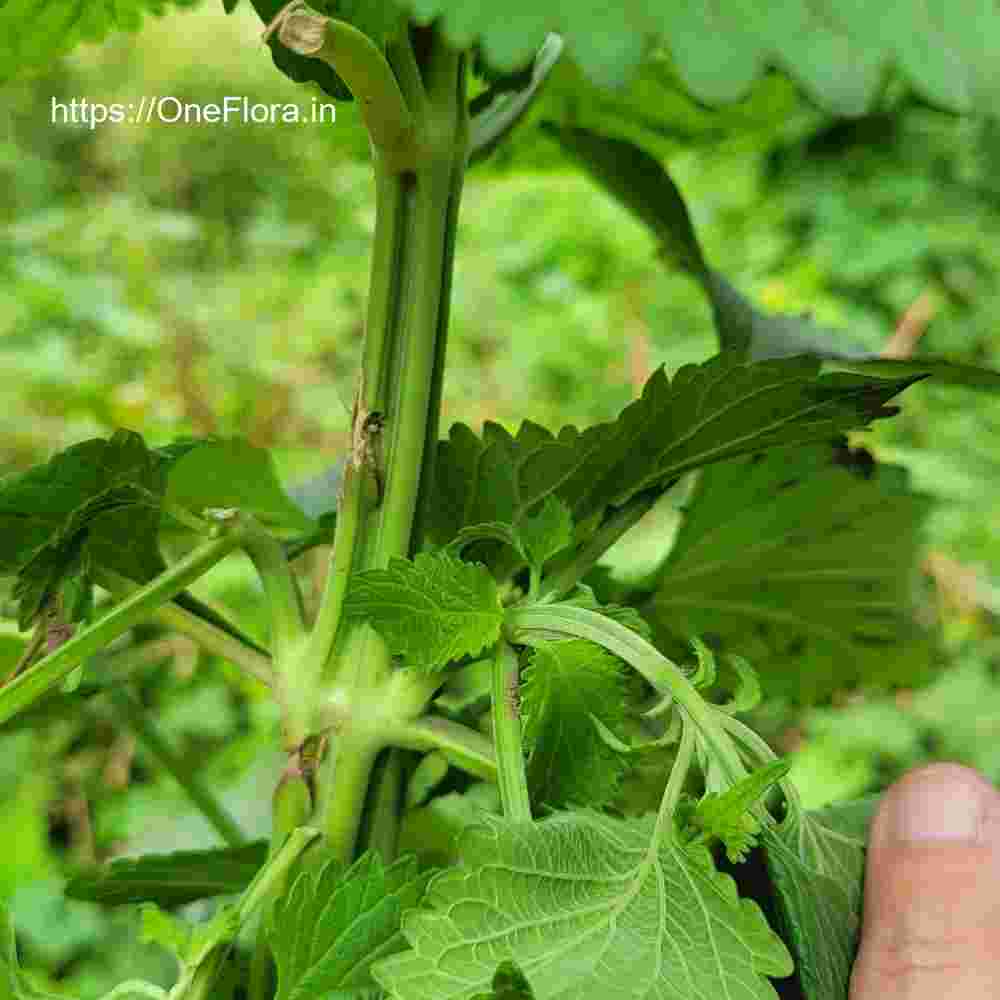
939, 805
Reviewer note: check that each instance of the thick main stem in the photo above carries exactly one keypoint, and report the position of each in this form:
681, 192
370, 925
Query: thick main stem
396, 411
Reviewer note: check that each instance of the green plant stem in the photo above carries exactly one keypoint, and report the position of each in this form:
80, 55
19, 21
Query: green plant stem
415, 217
138, 607
281, 591
296, 672
158, 746
386, 796
209, 637
360, 64
511, 776
426, 492
675, 783
343, 784
463, 747
291, 807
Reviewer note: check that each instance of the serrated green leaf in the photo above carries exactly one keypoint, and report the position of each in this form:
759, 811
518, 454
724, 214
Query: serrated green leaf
234, 473
334, 924
172, 879
725, 814
706, 414
568, 762
815, 593
429, 611
546, 532
816, 862
201, 949
589, 907
35, 32
838, 52
60, 518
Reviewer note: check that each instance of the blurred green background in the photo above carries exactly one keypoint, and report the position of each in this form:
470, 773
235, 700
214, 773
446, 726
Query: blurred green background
207, 279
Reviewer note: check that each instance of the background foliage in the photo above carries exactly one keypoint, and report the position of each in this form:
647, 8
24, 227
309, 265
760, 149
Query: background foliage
194, 279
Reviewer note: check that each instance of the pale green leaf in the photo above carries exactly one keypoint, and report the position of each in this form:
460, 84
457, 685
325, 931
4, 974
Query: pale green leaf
839, 52
725, 815
429, 611
333, 924
590, 908
234, 473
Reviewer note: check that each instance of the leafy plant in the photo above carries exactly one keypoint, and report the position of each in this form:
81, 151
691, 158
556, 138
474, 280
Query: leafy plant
466, 625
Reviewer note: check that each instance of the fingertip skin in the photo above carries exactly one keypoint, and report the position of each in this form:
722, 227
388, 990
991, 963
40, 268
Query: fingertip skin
931, 917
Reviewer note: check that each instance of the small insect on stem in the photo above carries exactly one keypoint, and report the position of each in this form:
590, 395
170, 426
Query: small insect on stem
512, 697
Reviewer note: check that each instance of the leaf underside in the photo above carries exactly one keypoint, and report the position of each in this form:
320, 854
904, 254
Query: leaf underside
590, 908
838, 52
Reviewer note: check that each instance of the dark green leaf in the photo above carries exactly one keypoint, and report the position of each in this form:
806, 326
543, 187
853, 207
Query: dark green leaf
333, 924
568, 762
94, 503
508, 984
939, 369
803, 562
816, 861
172, 879
707, 413
640, 182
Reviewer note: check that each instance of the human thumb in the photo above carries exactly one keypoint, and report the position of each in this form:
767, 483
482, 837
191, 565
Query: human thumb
931, 917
